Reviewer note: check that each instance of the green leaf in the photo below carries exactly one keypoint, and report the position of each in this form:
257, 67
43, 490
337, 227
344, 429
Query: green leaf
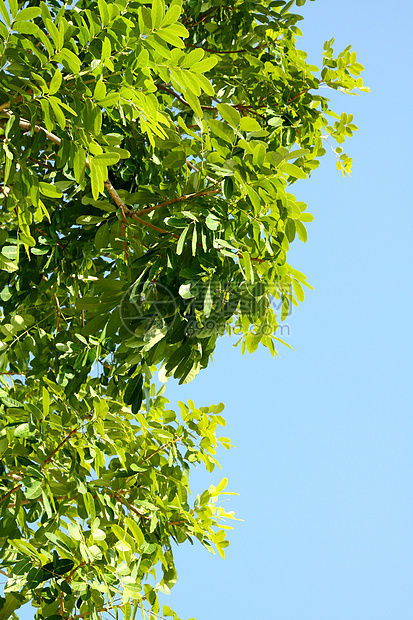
5, 14
293, 171
181, 241
107, 159
230, 114
22, 431
98, 175
193, 102
48, 121
172, 15
14, 7
100, 90
301, 231
9, 604
133, 389
27, 14
33, 488
50, 190
249, 124
79, 165
249, 272
60, 117
60, 567
69, 60
208, 300
104, 12
55, 82
27, 28
157, 13
298, 290
8, 265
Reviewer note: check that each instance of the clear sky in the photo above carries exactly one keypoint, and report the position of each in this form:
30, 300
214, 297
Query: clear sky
324, 435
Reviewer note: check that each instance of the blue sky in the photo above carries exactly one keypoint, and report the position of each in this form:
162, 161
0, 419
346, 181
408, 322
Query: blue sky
324, 435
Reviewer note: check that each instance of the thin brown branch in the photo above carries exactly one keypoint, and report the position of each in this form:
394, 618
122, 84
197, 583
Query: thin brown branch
72, 572
208, 14
16, 488
150, 225
24, 502
57, 310
131, 507
197, 170
118, 605
304, 91
51, 455
181, 99
299, 95
3, 572
177, 199
207, 49
160, 449
42, 163
126, 212
27, 126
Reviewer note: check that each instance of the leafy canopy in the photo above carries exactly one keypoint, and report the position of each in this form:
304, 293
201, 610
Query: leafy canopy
147, 151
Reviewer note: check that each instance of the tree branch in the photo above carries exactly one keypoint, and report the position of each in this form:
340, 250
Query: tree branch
160, 449
197, 170
16, 488
126, 212
51, 455
177, 199
206, 49
181, 99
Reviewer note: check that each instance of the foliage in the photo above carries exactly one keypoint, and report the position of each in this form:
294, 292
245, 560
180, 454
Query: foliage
147, 153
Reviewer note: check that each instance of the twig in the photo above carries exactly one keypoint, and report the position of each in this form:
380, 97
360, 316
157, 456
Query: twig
131, 507
51, 455
181, 99
197, 170
206, 49
159, 449
16, 488
177, 199
72, 572
57, 310
208, 14
126, 212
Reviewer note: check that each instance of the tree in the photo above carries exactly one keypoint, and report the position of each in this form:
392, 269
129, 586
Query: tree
147, 151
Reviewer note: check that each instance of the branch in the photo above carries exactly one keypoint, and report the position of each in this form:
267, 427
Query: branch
197, 170
16, 488
159, 449
27, 126
57, 310
72, 572
24, 124
208, 14
51, 455
177, 199
206, 49
131, 507
181, 99
3, 572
